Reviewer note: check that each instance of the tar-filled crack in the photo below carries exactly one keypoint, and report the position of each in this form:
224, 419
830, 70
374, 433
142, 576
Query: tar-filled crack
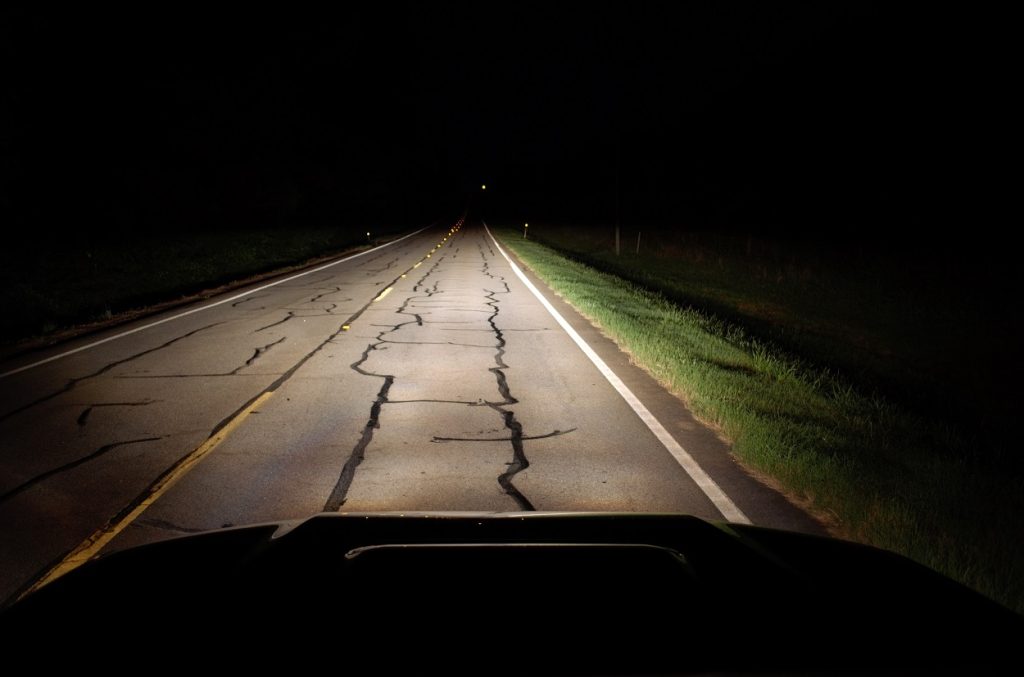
417, 318
381, 255
416, 287
437, 343
83, 418
505, 331
29, 483
70, 385
468, 403
339, 493
459, 309
326, 293
553, 433
355, 316
166, 525
519, 461
290, 315
376, 271
257, 354
348, 471
311, 312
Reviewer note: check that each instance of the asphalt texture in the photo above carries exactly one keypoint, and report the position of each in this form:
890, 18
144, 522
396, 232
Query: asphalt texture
422, 375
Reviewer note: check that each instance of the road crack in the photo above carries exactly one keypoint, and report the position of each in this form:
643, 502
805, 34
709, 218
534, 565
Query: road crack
326, 293
348, 471
519, 461
289, 316
72, 383
553, 433
339, 493
259, 352
83, 418
28, 484
165, 525
376, 271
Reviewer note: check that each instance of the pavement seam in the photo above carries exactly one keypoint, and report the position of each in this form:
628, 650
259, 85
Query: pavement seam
339, 494
519, 461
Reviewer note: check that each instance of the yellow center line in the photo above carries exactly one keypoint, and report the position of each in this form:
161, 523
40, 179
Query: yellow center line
91, 546
99, 539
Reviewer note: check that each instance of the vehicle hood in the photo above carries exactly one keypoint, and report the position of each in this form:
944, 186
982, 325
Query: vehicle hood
548, 592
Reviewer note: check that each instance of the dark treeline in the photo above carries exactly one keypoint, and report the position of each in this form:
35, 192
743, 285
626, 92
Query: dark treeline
781, 120
137, 123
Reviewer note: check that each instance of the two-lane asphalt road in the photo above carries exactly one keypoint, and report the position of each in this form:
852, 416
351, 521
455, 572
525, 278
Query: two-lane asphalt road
421, 375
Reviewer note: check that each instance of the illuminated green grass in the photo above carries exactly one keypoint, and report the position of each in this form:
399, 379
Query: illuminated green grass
880, 474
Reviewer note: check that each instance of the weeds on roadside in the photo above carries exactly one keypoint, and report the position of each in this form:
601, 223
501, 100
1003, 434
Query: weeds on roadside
880, 473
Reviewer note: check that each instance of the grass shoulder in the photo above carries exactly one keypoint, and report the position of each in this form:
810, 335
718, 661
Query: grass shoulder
888, 477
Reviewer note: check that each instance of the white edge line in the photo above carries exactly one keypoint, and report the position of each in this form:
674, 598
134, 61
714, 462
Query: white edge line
710, 488
206, 307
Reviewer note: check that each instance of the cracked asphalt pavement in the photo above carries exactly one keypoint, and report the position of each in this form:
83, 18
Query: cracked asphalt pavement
422, 375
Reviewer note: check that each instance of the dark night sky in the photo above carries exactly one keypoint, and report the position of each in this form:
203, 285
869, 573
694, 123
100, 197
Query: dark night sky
763, 116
